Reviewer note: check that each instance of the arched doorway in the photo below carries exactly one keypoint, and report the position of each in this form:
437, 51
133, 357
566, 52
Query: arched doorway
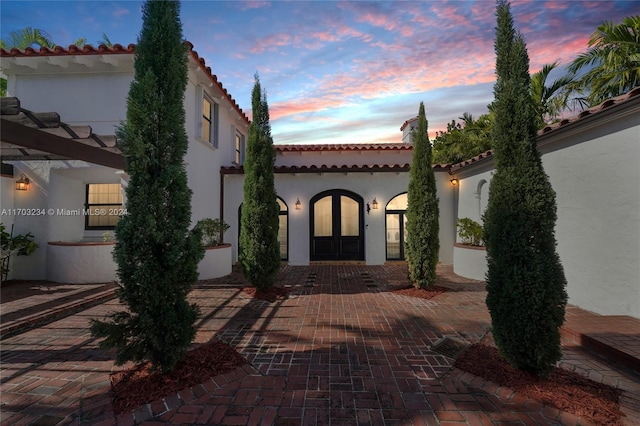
396, 221
337, 226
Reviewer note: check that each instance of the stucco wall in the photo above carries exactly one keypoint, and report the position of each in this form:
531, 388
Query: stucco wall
597, 182
381, 186
593, 167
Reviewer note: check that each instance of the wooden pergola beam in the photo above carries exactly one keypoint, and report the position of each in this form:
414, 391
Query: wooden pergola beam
28, 137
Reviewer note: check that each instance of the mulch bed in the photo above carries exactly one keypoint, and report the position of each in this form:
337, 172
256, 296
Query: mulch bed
270, 295
565, 390
429, 293
137, 386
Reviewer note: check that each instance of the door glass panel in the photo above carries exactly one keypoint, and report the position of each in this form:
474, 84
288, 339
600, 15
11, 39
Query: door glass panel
322, 218
393, 235
282, 236
283, 206
404, 230
349, 217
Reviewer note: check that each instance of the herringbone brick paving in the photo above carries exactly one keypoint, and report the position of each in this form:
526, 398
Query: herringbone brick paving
342, 349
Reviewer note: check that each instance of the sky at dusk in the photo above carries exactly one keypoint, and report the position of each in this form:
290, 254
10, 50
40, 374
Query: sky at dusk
343, 72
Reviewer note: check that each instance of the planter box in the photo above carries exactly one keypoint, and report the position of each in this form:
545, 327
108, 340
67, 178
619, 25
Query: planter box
81, 262
216, 262
470, 261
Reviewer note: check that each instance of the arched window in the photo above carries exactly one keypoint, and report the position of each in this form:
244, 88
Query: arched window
396, 221
483, 196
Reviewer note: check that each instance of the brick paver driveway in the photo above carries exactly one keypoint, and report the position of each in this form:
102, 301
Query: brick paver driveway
342, 349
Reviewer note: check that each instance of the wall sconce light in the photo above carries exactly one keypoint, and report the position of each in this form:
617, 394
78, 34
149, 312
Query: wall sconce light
298, 204
373, 205
22, 184
454, 181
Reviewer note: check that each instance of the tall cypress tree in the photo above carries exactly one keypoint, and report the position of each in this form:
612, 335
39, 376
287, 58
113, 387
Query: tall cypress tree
156, 253
525, 279
423, 243
259, 249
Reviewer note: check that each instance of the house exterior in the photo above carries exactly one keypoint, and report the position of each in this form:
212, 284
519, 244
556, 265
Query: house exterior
340, 203
592, 163
343, 202
88, 87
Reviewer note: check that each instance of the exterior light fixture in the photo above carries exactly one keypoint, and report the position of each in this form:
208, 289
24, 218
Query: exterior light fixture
374, 204
454, 181
22, 184
298, 204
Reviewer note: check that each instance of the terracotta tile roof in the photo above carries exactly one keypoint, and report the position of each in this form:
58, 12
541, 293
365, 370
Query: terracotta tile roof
114, 50
326, 168
71, 50
406, 123
230, 170
606, 105
344, 147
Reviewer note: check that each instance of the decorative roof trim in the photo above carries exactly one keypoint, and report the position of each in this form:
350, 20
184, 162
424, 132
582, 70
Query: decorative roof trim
375, 168
114, 50
344, 147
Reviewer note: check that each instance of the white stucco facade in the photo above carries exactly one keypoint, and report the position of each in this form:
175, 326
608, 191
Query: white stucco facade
381, 186
91, 90
592, 164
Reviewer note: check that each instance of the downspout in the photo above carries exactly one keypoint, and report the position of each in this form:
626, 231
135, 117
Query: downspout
221, 204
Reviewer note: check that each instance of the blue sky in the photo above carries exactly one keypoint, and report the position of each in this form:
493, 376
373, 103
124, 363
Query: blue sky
343, 72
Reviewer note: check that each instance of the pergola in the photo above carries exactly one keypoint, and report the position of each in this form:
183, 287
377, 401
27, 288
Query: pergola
28, 136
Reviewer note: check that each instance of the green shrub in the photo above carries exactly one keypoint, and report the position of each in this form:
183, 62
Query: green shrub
469, 231
526, 286
156, 253
212, 231
259, 255
21, 245
422, 244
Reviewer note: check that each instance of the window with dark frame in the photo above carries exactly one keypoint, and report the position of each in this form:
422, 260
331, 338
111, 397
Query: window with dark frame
103, 206
239, 145
209, 128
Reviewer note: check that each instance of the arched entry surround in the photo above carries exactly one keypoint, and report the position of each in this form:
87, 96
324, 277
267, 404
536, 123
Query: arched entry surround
336, 219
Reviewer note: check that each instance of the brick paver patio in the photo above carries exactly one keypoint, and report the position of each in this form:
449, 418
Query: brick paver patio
342, 349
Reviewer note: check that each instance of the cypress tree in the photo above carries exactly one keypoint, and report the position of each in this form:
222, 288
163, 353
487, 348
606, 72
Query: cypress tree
157, 255
526, 293
259, 249
422, 244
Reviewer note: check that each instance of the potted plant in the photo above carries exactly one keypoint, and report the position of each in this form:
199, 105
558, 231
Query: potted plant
217, 258
21, 245
470, 232
212, 231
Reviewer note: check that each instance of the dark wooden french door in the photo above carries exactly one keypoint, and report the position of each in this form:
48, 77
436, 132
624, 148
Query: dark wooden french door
337, 226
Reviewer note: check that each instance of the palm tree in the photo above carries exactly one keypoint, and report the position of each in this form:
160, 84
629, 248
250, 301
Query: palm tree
105, 40
27, 37
550, 100
614, 54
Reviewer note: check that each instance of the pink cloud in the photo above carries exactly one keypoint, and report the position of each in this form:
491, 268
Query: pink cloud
556, 5
253, 4
272, 41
